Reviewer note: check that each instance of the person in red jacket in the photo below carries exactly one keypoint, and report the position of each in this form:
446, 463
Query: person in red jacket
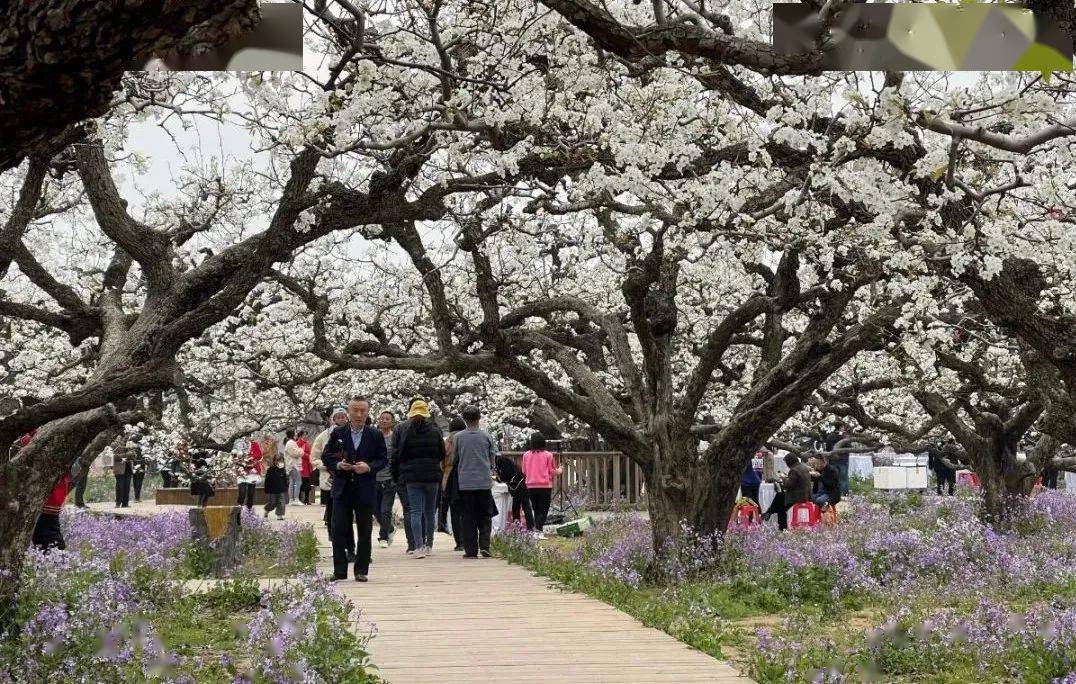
306, 467
47, 532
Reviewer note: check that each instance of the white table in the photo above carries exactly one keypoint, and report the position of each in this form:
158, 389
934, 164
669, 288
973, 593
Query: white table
860, 465
900, 477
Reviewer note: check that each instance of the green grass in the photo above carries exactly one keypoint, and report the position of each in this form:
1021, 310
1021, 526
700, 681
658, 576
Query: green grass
209, 626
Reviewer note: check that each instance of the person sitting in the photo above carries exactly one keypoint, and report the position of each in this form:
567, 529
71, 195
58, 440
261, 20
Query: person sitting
750, 481
795, 488
827, 485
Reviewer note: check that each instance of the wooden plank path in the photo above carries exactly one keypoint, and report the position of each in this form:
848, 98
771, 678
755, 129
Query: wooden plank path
447, 619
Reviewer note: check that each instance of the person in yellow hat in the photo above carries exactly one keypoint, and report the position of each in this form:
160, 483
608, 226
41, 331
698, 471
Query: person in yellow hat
416, 467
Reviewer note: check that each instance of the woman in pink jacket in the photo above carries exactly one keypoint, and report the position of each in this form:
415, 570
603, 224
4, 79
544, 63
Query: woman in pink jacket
539, 468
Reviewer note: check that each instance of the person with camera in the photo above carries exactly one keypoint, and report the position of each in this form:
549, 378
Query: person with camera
354, 453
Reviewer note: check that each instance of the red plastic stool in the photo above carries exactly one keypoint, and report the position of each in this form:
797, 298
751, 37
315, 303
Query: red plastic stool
745, 516
804, 514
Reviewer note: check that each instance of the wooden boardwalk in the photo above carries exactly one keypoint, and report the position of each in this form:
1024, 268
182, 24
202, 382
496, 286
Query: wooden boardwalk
448, 619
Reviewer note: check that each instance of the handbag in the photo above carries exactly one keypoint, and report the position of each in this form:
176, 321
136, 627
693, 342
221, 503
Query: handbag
491, 504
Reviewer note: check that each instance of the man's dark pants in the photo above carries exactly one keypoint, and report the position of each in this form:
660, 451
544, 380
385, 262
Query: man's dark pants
477, 523
123, 490
348, 510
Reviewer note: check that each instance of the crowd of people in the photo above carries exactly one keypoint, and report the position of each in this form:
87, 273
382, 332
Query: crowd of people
361, 465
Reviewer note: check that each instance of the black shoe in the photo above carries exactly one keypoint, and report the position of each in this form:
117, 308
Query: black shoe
458, 548
485, 553
337, 579
361, 578
467, 555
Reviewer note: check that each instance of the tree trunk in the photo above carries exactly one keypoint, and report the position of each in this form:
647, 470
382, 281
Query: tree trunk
683, 492
1006, 484
26, 480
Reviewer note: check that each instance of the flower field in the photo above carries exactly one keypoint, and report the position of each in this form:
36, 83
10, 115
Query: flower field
115, 607
904, 589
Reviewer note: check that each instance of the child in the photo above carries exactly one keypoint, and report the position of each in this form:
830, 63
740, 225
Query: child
276, 486
540, 468
510, 474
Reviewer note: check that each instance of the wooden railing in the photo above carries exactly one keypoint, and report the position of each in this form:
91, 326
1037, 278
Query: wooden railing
603, 479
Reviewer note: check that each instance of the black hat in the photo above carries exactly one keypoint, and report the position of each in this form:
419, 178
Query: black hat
471, 413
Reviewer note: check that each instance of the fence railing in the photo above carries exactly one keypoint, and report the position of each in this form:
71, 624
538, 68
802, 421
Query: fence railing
603, 479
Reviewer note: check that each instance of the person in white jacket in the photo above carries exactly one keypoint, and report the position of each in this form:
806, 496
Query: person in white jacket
293, 462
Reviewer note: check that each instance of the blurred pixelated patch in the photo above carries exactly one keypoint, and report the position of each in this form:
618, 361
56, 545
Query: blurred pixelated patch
275, 43
924, 37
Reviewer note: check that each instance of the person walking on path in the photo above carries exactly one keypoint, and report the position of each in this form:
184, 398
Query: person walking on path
420, 449
306, 469
276, 485
247, 481
510, 474
293, 462
138, 467
386, 488
539, 468
354, 453
449, 507
200, 484
401, 489
121, 469
475, 457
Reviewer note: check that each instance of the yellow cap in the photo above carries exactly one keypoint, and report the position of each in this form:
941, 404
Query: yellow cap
419, 408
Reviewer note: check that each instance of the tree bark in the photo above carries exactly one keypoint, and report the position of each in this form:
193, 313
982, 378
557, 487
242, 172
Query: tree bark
61, 60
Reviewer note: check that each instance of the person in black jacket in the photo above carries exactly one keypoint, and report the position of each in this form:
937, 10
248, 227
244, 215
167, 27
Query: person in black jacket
200, 485
354, 453
944, 461
276, 486
827, 487
420, 450
510, 474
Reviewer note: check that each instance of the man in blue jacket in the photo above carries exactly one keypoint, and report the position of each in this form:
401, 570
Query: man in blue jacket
354, 453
